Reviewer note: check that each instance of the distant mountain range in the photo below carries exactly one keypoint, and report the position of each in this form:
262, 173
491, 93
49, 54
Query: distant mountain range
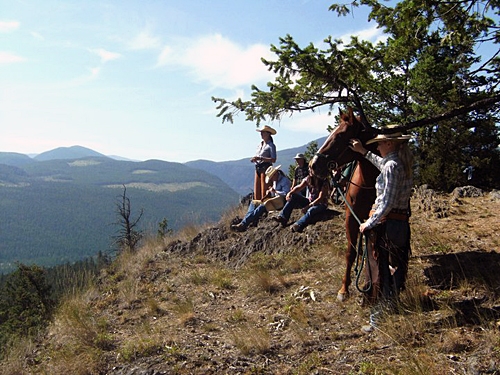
61, 205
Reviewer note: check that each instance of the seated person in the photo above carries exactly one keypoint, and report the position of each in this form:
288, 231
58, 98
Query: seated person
273, 200
301, 171
315, 203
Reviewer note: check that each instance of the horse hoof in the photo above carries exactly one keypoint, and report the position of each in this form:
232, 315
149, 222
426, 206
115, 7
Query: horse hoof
341, 297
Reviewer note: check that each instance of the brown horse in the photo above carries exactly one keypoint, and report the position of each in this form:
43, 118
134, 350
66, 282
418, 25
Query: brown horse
360, 194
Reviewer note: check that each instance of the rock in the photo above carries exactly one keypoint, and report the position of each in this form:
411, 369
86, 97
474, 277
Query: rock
467, 192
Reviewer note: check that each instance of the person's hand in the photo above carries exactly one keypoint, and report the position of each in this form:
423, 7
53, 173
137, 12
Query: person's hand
357, 146
362, 227
288, 196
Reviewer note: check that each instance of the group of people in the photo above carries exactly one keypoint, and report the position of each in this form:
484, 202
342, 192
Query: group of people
274, 191
388, 221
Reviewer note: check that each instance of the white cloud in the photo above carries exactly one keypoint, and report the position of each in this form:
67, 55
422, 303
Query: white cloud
219, 61
106, 55
166, 57
312, 123
94, 72
37, 35
372, 34
8, 26
10, 58
144, 40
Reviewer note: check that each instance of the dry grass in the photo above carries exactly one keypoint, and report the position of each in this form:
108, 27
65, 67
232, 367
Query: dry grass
250, 339
278, 314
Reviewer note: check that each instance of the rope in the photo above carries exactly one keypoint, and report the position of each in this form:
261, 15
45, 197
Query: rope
359, 247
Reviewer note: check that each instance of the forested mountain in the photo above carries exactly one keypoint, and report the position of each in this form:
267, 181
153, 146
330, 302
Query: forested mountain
63, 210
14, 159
73, 152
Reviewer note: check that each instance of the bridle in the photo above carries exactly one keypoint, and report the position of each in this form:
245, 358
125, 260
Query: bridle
330, 165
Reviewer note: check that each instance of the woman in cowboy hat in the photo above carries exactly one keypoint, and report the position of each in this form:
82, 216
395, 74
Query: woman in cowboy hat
388, 221
276, 193
263, 159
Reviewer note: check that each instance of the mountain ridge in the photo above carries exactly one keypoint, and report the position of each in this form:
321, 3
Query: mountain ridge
237, 174
63, 210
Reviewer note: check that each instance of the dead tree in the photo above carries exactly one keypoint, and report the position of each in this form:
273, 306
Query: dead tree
128, 236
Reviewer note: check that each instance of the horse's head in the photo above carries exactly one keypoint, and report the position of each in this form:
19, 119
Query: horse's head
336, 152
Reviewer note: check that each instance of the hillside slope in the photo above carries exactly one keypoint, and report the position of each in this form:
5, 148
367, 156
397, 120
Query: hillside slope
264, 302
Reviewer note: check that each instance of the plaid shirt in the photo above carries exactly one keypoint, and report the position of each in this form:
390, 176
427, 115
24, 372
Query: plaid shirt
392, 186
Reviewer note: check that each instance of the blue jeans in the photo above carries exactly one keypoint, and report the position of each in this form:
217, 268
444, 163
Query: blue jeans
253, 214
299, 201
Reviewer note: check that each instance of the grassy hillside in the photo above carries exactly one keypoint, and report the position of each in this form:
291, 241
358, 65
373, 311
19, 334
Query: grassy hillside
212, 301
63, 210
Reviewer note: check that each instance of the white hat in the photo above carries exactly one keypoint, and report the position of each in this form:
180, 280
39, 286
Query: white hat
300, 156
397, 136
268, 129
271, 171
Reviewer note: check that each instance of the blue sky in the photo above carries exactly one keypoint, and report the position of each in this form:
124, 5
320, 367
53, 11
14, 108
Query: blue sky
135, 78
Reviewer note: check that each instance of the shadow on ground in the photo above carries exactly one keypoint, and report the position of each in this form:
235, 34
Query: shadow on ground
480, 271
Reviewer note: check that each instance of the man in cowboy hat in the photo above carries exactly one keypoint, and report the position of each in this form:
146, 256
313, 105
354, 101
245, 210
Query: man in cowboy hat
264, 157
301, 171
388, 222
275, 198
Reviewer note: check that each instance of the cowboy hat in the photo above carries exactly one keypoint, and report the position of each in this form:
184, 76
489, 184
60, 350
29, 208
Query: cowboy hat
268, 129
396, 136
271, 171
300, 156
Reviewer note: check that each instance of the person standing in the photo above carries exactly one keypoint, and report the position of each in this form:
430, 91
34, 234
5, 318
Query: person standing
264, 157
388, 224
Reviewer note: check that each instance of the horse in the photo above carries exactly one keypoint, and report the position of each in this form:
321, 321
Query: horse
360, 194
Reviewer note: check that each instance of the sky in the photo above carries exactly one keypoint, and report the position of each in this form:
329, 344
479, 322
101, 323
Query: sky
135, 78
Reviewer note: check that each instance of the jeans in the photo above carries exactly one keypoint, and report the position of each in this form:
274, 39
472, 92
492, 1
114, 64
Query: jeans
253, 214
394, 250
299, 201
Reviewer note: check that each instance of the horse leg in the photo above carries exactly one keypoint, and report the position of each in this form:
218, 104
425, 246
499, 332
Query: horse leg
352, 230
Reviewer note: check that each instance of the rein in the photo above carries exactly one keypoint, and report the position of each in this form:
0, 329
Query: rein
359, 249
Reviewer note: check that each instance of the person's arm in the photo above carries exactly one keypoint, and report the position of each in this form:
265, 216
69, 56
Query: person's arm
297, 188
386, 199
357, 146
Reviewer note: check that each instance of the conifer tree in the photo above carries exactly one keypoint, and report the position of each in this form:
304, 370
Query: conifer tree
429, 76
25, 302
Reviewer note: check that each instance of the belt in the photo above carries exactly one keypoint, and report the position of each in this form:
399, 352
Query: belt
395, 214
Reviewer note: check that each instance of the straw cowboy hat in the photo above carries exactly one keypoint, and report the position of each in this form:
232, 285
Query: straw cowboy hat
300, 156
268, 129
396, 136
270, 172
